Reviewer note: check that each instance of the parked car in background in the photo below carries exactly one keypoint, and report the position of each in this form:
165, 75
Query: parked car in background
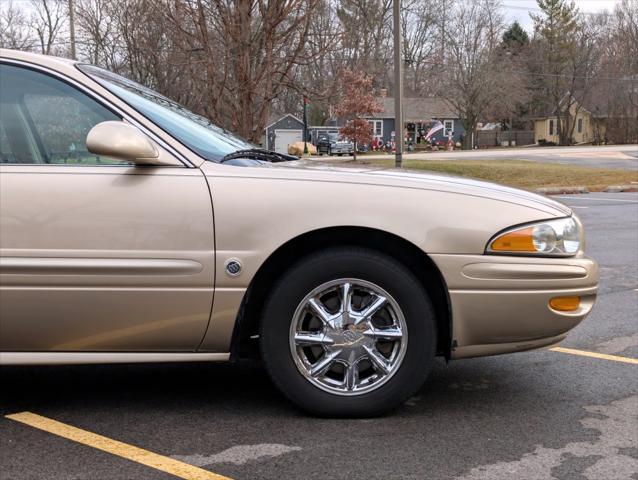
133, 230
331, 144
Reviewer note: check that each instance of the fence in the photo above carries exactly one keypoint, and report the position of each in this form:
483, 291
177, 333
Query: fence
497, 138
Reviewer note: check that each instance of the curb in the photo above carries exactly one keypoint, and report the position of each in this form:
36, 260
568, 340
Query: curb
561, 190
621, 188
319, 159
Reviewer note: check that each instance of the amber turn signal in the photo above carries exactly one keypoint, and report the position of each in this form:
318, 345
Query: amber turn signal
516, 241
565, 304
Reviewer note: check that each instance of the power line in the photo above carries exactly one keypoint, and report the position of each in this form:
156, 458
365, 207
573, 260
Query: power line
534, 9
554, 75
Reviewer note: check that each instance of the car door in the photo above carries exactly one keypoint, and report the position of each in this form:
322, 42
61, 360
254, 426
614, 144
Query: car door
95, 254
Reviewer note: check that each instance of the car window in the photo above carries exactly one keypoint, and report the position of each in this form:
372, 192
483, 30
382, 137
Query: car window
6, 155
197, 133
45, 120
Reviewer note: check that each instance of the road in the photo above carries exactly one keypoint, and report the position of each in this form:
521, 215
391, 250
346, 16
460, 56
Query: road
617, 156
532, 416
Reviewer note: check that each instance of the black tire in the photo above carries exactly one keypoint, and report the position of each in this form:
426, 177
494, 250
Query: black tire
326, 266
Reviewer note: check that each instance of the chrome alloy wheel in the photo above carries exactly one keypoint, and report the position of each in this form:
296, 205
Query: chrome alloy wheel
348, 336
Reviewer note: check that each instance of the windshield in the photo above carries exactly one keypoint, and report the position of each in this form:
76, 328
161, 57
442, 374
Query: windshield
196, 132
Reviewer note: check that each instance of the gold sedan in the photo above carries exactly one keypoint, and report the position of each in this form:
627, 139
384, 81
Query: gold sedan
132, 230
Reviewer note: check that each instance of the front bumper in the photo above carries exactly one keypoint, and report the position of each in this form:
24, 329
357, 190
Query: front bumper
341, 149
500, 304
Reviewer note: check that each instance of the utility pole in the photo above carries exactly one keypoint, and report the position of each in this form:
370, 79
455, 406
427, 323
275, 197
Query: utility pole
305, 127
72, 27
398, 86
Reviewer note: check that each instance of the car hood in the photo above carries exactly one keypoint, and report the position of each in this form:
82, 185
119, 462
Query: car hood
308, 170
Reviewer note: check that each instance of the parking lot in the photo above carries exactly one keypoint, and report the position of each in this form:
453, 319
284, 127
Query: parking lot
568, 413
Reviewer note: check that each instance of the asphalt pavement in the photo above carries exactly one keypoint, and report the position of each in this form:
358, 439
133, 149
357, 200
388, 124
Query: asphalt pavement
624, 157
531, 416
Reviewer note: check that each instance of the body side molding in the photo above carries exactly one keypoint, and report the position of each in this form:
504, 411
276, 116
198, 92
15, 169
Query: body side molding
84, 358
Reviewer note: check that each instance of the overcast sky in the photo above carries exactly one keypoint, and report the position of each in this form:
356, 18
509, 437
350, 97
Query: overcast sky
513, 9
520, 9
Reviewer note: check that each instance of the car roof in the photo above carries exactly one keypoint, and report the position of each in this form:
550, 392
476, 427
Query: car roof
56, 63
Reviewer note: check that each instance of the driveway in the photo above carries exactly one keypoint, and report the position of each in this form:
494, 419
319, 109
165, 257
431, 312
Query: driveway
567, 414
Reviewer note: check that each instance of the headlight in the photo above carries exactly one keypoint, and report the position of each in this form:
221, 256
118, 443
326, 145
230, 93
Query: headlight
561, 237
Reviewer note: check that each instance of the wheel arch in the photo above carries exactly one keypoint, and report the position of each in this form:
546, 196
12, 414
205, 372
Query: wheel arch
244, 341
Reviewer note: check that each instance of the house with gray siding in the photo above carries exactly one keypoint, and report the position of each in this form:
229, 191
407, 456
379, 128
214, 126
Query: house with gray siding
419, 114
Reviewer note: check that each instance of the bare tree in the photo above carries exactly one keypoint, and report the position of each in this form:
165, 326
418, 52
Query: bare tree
14, 28
245, 51
421, 44
471, 80
626, 40
367, 36
48, 22
98, 37
615, 94
239, 61
316, 74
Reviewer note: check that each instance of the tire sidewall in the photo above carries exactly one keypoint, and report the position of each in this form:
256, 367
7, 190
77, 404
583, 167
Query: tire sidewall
353, 263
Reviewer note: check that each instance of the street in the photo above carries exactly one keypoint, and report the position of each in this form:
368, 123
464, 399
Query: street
616, 156
547, 414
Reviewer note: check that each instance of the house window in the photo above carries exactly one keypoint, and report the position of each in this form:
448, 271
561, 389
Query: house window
579, 128
449, 127
551, 127
377, 128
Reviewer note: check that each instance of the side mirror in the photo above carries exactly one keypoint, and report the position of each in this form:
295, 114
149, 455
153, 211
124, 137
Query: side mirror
125, 142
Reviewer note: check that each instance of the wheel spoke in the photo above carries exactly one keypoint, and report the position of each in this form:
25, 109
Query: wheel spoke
346, 289
351, 377
388, 333
312, 338
323, 364
320, 312
371, 309
377, 359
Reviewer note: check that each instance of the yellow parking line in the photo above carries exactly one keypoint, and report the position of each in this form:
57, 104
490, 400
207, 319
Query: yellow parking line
603, 356
121, 449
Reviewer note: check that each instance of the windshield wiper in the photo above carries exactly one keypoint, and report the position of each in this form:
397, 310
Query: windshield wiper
259, 154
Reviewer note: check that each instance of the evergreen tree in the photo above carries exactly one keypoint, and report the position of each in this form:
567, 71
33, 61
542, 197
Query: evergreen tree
515, 37
557, 29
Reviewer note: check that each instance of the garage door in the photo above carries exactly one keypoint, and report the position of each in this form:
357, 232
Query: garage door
283, 138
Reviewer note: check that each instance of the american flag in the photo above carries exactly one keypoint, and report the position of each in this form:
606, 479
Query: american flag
435, 128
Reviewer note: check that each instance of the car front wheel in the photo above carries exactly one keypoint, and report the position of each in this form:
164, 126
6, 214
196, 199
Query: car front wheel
348, 332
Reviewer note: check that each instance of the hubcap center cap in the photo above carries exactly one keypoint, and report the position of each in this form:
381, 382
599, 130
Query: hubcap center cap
346, 338
347, 335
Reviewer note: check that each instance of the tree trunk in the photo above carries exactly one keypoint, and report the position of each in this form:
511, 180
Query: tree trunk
354, 142
470, 122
